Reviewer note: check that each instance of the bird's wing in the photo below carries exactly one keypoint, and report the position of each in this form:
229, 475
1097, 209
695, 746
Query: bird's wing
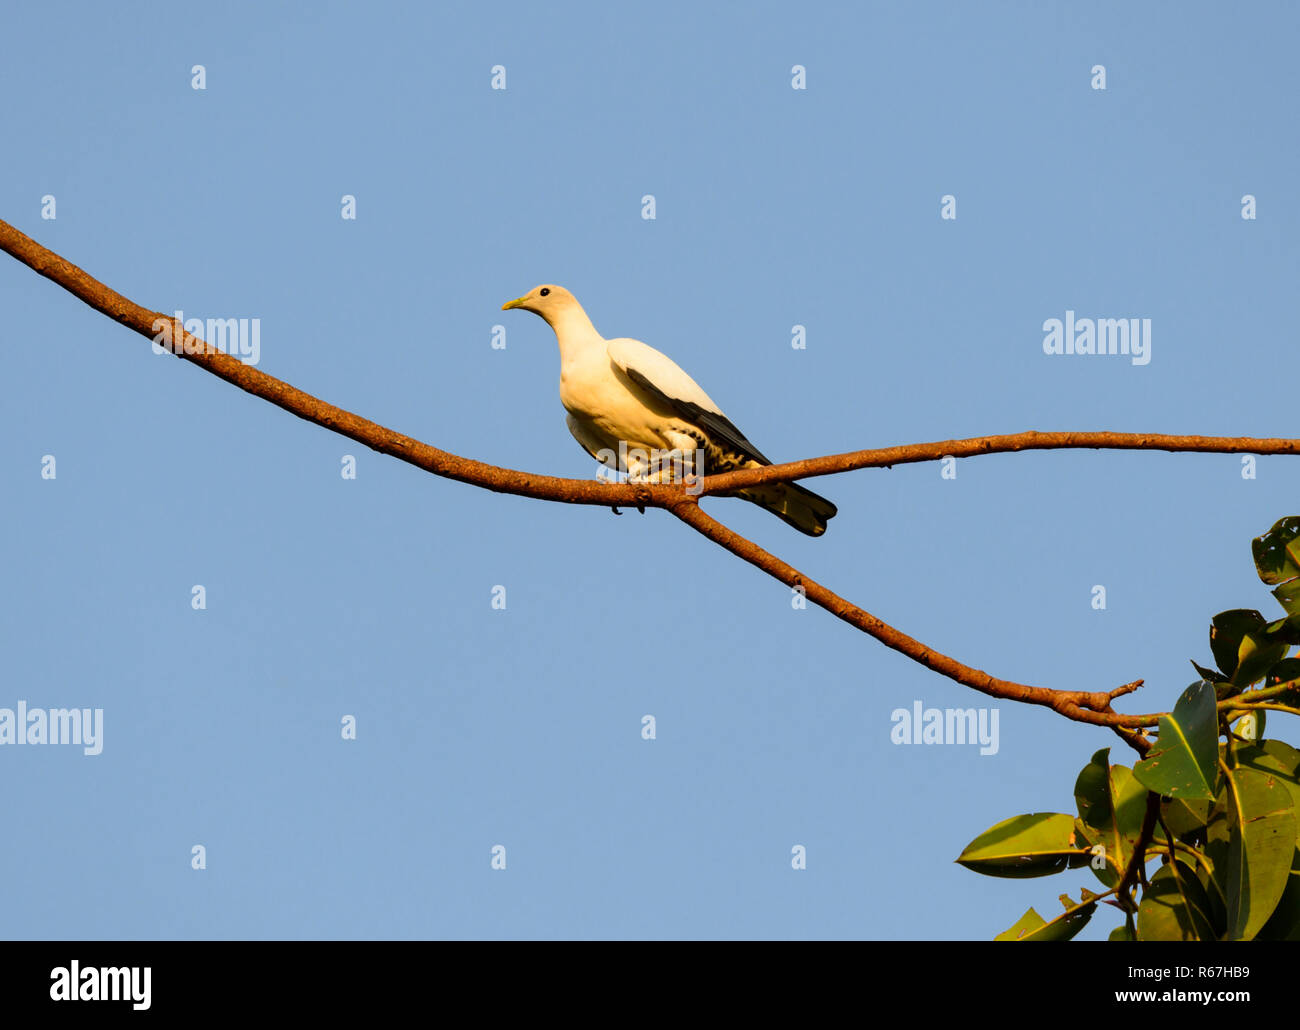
591, 443
660, 377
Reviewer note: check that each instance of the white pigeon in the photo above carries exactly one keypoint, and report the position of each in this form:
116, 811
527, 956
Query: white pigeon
628, 403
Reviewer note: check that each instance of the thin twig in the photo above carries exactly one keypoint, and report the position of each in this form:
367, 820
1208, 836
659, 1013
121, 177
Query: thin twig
1137, 861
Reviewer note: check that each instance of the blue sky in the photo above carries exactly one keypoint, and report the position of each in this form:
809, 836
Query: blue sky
371, 597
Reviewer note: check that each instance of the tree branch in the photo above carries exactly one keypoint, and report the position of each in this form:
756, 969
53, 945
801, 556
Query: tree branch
298, 402
906, 454
1137, 862
1081, 706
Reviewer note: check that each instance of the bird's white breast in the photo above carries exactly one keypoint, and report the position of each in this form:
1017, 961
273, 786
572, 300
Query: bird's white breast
609, 408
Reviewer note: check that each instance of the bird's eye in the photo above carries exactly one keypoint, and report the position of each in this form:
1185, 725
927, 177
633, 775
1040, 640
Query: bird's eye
546, 291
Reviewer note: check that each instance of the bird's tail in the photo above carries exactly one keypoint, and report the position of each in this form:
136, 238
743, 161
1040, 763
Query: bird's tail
792, 504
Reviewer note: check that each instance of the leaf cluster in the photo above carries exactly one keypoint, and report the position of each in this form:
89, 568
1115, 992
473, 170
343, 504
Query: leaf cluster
1213, 802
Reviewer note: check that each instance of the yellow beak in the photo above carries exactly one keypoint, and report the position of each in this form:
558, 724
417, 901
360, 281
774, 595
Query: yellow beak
518, 302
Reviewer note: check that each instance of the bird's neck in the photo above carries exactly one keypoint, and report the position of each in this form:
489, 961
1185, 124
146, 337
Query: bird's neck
573, 331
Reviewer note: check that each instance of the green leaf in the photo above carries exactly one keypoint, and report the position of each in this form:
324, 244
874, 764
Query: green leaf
1218, 908
1032, 927
1251, 725
1285, 630
1037, 844
1112, 805
1209, 674
1284, 923
1256, 655
1286, 669
1250, 839
1277, 552
1281, 761
1174, 907
1184, 816
1184, 761
1027, 923
1121, 933
1226, 630
1261, 648
1272, 758
1288, 596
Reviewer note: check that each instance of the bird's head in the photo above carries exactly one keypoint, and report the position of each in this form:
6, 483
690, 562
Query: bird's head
548, 300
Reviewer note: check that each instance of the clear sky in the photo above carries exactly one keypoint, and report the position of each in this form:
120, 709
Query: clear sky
372, 597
